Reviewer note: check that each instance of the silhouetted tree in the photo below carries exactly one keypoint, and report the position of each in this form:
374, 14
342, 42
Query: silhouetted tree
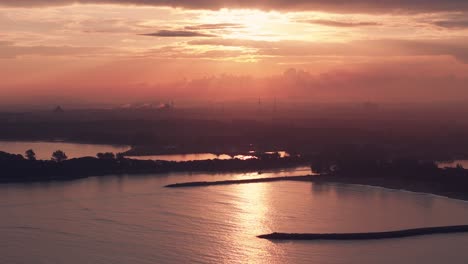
59, 156
120, 156
30, 154
106, 156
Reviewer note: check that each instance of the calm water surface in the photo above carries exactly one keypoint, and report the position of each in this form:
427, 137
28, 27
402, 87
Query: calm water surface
183, 157
200, 156
44, 150
133, 219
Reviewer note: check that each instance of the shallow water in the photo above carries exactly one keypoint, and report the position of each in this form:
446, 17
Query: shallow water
133, 219
44, 150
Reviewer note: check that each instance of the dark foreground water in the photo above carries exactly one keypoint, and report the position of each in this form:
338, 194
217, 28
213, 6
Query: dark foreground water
135, 220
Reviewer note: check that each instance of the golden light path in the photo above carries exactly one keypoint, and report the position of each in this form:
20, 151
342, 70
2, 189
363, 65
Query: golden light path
253, 218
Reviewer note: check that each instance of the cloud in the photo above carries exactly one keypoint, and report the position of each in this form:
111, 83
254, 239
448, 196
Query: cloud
334, 23
355, 6
101, 25
235, 43
214, 26
8, 50
456, 48
177, 33
455, 24
178, 52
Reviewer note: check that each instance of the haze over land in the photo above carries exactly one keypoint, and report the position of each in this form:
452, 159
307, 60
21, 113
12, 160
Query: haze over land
119, 52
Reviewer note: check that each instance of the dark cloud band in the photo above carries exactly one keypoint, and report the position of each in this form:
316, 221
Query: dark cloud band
457, 24
177, 33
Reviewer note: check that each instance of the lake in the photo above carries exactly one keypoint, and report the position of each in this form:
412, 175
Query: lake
133, 219
44, 150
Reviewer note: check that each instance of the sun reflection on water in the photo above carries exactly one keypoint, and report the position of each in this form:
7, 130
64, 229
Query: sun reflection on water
253, 219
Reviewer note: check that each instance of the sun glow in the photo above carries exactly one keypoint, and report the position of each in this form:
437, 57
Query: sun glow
252, 24
117, 45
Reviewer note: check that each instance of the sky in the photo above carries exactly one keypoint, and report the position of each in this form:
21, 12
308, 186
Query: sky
124, 51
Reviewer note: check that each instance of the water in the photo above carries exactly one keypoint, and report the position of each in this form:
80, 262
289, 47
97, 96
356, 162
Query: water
453, 164
183, 157
133, 219
201, 156
44, 150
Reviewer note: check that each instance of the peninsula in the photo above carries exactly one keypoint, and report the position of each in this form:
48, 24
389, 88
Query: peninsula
368, 235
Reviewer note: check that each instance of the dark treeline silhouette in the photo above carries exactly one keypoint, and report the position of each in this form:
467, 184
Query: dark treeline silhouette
108, 156
15, 168
401, 173
356, 166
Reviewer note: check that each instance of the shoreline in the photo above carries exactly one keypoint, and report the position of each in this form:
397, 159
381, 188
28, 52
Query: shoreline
391, 184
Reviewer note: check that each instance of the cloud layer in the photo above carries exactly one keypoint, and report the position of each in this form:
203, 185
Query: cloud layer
334, 23
455, 24
298, 5
371, 48
85, 51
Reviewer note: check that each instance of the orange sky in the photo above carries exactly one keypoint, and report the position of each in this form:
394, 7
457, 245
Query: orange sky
123, 51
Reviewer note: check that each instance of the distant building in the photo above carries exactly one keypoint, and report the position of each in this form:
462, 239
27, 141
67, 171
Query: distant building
58, 109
